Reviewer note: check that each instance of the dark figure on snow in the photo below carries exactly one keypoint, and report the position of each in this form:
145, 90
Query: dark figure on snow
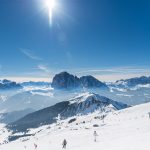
35, 146
95, 135
64, 143
149, 115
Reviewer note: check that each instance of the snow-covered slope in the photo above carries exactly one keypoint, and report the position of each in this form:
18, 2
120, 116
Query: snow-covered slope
127, 129
90, 102
81, 105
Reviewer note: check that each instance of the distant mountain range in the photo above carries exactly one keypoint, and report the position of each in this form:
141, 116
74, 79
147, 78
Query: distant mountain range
67, 81
17, 98
14, 116
134, 81
64, 80
31, 83
7, 84
81, 105
26, 99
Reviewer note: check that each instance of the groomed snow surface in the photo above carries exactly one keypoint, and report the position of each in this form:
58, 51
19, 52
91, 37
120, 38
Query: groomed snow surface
128, 129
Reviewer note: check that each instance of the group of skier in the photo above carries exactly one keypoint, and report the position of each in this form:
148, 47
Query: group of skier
64, 143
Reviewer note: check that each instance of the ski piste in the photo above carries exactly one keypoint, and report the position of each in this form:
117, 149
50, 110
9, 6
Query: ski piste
121, 130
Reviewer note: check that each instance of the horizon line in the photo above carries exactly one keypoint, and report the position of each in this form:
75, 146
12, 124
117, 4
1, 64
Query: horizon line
104, 78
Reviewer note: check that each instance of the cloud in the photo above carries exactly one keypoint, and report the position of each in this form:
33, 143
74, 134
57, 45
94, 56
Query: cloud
115, 77
30, 54
26, 79
113, 74
43, 68
112, 70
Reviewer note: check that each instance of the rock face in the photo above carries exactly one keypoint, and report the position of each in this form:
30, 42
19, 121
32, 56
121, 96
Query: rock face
81, 105
65, 80
90, 81
6, 84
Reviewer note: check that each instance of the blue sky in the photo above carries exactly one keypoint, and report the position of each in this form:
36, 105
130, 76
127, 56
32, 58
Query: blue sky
105, 38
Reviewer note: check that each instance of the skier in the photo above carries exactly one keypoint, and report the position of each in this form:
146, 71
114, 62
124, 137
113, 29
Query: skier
25, 147
64, 143
95, 135
149, 115
103, 117
35, 146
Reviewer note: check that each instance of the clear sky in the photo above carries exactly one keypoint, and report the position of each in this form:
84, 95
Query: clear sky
109, 39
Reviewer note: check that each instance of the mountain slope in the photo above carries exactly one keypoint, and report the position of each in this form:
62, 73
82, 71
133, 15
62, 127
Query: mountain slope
82, 105
91, 82
126, 129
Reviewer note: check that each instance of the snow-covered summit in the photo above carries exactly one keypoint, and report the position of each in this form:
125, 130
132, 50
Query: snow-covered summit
90, 102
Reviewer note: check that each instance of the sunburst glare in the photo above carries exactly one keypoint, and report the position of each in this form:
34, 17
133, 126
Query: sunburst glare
50, 5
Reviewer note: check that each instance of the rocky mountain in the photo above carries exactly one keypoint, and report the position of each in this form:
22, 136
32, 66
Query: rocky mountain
7, 84
65, 80
90, 81
134, 81
81, 105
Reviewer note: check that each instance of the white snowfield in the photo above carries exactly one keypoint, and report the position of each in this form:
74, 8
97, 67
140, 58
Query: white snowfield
128, 129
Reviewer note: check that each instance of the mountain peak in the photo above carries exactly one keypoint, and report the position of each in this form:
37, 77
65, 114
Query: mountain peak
90, 98
64, 80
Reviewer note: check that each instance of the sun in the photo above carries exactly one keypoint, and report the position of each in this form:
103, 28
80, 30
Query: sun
50, 5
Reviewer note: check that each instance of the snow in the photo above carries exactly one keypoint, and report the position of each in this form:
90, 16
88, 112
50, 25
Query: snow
127, 129
3, 98
81, 97
4, 133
